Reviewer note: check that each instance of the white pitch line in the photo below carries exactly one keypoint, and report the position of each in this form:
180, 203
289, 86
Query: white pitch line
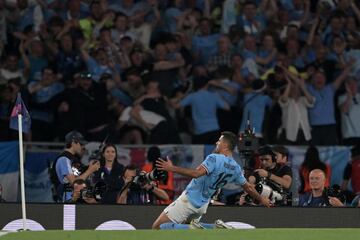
3, 233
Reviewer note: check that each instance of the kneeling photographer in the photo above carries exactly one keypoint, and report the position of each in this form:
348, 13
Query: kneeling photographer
166, 182
319, 196
140, 187
81, 193
272, 179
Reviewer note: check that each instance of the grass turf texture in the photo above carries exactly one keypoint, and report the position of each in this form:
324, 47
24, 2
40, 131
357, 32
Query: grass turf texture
257, 234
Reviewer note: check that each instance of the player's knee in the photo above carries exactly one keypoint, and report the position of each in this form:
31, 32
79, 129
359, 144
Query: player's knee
156, 225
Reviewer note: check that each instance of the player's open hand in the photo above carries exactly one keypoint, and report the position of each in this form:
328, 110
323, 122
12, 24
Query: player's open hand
165, 165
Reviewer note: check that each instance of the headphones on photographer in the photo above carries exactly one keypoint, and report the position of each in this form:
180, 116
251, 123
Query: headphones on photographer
267, 150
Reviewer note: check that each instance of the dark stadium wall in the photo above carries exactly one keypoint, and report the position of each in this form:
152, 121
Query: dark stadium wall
116, 217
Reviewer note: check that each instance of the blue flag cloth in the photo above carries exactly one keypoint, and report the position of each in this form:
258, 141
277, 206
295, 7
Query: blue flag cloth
20, 108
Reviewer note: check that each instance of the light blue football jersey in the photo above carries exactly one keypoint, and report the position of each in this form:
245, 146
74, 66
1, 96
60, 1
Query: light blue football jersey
220, 171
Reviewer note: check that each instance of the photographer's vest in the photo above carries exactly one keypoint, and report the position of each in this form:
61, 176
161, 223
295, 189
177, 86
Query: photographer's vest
59, 187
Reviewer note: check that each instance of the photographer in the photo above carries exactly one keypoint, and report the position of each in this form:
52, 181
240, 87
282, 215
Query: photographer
138, 189
79, 194
272, 174
67, 167
110, 173
271, 170
167, 183
319, 196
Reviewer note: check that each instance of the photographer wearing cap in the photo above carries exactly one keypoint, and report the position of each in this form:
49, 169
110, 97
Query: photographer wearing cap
67, 167
275, 178
319, 196
139, 188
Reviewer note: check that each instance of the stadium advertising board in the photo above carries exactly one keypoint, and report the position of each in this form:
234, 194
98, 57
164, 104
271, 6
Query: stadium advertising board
122, 217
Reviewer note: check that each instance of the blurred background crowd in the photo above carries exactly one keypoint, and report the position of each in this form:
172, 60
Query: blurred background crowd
181, 71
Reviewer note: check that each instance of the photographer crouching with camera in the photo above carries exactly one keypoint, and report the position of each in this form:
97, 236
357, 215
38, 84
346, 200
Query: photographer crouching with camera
319, 196
81, 194
272, 180
140, 187
67, 167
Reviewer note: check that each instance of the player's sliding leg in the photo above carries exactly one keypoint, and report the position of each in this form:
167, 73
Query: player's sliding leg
160, 220
172, 226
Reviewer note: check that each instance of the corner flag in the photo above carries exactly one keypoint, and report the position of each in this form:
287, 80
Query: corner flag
20, 108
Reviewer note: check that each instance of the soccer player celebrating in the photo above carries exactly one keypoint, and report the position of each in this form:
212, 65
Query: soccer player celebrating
214, 172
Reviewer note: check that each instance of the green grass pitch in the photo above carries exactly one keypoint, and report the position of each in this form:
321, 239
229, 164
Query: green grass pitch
257, 234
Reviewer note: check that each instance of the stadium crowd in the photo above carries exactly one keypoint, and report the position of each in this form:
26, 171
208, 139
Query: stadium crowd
182, 71
162, 71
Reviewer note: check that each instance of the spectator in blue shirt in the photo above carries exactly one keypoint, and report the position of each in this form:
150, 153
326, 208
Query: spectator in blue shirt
68, 58
172, 15
75, 10
322, 115
254, 23
204, 45
42, 109
203, 110
254, 107
223, 86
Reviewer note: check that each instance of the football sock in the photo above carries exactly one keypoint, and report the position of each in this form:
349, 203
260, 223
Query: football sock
171, 225
207, 225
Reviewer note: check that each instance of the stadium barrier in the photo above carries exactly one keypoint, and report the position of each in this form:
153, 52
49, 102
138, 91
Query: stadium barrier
127, 217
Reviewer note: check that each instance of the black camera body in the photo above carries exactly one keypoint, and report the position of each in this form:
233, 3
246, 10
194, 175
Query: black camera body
143, 177
86, 193
335, 191
96, 192
96, 155
247, 146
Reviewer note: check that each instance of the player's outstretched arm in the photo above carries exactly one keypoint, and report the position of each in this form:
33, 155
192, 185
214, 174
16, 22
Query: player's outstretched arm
167, 165
250, 189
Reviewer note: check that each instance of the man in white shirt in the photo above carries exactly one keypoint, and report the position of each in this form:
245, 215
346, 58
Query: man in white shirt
349, 104
10, 70
294, 107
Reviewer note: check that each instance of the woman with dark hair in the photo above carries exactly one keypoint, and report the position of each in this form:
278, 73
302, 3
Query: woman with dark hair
110, 173
312, 161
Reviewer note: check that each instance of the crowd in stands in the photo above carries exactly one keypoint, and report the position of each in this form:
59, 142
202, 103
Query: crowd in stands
181, 71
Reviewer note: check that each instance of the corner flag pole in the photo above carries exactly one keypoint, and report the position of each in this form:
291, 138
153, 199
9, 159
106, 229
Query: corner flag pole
22, 180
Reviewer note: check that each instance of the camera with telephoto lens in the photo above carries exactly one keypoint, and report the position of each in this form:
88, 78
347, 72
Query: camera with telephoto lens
335, 191
143, 177
266, 191
96, 192
276, 194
